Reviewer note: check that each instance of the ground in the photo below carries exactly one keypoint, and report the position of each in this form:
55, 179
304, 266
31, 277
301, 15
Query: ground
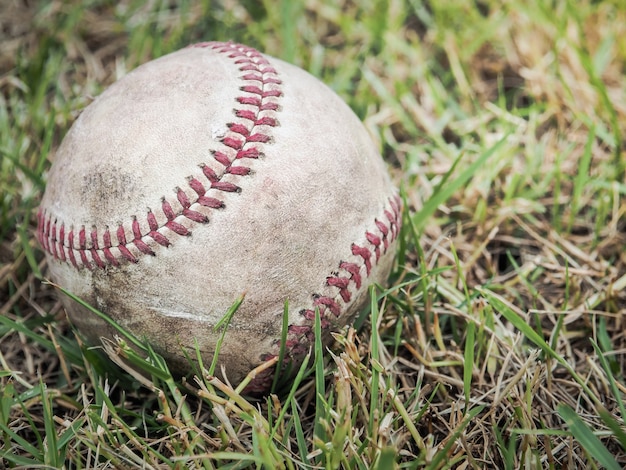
499, 341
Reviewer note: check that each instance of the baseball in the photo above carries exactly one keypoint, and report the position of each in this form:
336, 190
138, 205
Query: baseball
210, 173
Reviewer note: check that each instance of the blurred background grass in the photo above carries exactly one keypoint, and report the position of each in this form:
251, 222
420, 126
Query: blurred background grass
500, 342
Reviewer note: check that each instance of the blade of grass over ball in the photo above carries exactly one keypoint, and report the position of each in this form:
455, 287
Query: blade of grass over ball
198, 365
130, 337
588, 440
223, 323
124, 355
225, 320
158, 362
283, 345
261, 368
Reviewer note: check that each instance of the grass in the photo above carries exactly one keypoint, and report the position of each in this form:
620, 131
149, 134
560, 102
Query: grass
499, 341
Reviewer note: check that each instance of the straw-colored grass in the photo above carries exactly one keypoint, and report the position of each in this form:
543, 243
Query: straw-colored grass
500, 340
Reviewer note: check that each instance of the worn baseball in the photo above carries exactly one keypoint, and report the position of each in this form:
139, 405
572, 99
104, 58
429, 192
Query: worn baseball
211, 173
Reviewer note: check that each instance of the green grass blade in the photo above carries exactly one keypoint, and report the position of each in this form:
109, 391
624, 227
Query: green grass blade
133, 339
320, 388
618, 429
444, 192
582, 178
587, 438
289, 400
534, 337
468, 363
609, 375
51, 455
375, 360
442, 453
223, 323
301, 440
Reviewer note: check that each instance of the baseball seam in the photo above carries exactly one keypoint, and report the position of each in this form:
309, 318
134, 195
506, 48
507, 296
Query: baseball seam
84, 248
367, 254
379, 236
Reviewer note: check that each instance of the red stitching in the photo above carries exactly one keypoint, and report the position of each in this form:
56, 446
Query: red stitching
349, 273
61, 241
71, 250
94, 249
364, 253
249, 153
342, 283
82, 243
261, 88
299, 337
220, 157
107, 247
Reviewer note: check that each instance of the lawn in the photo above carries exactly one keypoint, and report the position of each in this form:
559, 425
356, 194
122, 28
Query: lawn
500, 338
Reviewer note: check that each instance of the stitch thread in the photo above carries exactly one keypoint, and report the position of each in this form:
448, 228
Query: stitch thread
341, 281
260, 89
